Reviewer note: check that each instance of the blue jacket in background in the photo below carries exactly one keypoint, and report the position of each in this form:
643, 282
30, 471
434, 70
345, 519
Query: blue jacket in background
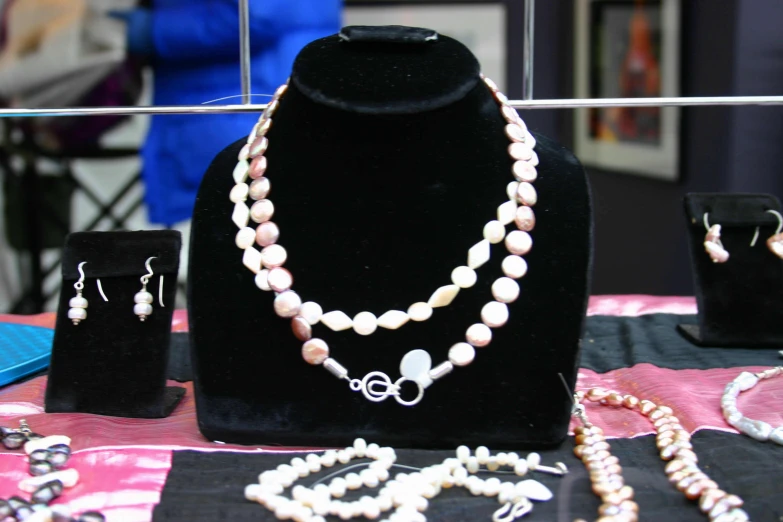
196, 59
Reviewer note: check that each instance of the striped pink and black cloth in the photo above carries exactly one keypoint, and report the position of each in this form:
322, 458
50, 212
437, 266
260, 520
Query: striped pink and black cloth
136, 470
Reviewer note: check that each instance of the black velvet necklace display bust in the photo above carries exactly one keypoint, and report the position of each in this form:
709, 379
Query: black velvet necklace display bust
386, 159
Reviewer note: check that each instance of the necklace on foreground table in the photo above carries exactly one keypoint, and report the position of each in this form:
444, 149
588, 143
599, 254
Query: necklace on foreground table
755, 429
416, 365
674, 444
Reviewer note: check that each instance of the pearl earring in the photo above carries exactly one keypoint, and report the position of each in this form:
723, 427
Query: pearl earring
775, 241
78, 304
712, 243
143, 299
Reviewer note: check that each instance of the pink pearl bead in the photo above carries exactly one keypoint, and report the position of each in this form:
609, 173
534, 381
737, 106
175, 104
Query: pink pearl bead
258, 146
267, 234
263, 127
315, 351
270, 109
525, 218
519, 242
526, 194
301, 328
257, 167
262, 210
524, 171
515, 132
287, 304
259, 188
273, 256
520, 151
511, 115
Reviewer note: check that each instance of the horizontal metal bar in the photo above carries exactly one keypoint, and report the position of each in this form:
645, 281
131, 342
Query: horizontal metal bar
575, 103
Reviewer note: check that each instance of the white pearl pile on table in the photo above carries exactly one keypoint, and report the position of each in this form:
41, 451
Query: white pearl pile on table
407, 494
267, 263
756, 429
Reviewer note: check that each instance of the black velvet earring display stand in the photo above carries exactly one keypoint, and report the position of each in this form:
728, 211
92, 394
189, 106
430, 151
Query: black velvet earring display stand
386, 160
112, 363
740, 301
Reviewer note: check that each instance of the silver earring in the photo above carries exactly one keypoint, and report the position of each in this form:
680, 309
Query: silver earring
78, 311
712, 243
143, 299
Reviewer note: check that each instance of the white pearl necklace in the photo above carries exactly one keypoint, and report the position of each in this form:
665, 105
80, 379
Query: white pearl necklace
416, 365
407, 493
756, 429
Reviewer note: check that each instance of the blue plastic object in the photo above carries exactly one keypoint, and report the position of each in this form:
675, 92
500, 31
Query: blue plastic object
24, 350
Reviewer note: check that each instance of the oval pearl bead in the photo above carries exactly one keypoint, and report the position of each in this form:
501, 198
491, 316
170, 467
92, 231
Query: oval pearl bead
464, 276
273, 256
77, 314
263, 127
262, 210
523, 171
257, 167
365, 323
514, 267
461, 354
142, 309
287, 304
315, 351
494, 314
245, 237
262, 280
142, 297
259, 188
78, 302
239, 192
494, 231
478, 335
258, 146
515, 132
280, 279
520, 151
526, 194
420, 311
525, 218
511, 190
301, 328
311, 311
510, 114
267, 234
519, 242
505, 290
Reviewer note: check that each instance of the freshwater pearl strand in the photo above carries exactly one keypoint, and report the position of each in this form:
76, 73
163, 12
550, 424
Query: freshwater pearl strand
407, 494
756, 429
674, 444
268, 262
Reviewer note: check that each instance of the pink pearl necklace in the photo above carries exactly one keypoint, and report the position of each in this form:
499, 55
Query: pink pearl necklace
416, 365
674, 443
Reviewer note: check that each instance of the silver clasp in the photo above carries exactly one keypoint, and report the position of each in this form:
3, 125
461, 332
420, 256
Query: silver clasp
377, 387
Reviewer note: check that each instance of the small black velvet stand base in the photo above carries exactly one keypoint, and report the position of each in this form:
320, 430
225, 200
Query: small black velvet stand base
387, 156
112, 363
740, 301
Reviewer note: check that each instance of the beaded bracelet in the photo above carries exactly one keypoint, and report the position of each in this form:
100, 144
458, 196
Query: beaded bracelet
756, 429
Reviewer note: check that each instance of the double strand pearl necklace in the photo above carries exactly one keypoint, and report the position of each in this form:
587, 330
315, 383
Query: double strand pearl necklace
416, 365
407, 493
756, 429
674, 443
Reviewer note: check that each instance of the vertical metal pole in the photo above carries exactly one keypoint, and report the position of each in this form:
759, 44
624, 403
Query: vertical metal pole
528, 36
244, 49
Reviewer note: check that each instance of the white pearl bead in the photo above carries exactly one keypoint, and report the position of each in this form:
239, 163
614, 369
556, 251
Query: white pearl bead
287, 304
463, 454
280, 279
472, 465
533, 460
245, 237
343, 457
360, 447
507, 211
505, 290
329, 457
365, 323
353, 481
477, 487
514, 267
461, 474
482, 454
464, 276
370, 508
345, 512
494, 232
314, 464
520, 467
506, 492
512, 458
461, 354
491, 487
479, 254
273, 256
78, 314
502, 459
478, 335
494, 314
142, 309
81, 302
142, 297
511, 190
372, 450
369, 478
420, 311
492, 464
337, 487
239, 193
311, 311
385, 502
519, 242
443, 296
262, 280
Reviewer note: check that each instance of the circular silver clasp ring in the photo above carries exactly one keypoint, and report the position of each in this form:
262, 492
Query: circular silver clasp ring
413, 402
368, 387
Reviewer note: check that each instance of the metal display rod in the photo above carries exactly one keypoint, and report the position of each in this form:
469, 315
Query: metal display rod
572, 103
244, 49
528, 35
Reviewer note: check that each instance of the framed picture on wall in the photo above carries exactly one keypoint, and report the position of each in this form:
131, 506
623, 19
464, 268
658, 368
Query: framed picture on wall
491, 29
628, 49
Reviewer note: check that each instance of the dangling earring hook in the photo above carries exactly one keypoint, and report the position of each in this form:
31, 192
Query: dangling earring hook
775, 242
80, 283
146, 277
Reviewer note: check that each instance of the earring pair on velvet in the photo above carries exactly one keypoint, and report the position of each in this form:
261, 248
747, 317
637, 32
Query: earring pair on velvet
714, 247
143, 299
